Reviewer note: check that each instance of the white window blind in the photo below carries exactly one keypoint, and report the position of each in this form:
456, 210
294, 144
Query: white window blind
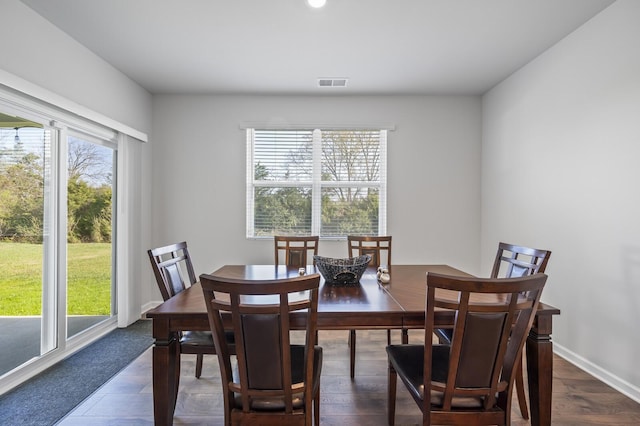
316, 182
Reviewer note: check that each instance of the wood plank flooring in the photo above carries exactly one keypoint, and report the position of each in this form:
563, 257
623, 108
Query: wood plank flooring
578, 398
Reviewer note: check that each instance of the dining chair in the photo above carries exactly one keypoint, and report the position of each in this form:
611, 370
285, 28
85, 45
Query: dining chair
297, 250
272, 381
379, 248
512, 261
470, 380
173, 268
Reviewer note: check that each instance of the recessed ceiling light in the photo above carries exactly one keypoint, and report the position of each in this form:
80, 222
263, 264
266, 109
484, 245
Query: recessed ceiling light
316, 3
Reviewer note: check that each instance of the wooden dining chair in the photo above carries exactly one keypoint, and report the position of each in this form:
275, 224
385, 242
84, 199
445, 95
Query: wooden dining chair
470, 380
379, 248
173, 268
512, 261
297, 251
273, 381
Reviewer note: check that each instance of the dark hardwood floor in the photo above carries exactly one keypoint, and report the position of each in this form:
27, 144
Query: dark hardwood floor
578, 398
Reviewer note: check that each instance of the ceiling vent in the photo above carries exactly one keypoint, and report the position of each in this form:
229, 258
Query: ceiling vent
332, 82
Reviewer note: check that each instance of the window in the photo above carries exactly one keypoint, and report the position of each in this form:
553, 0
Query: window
316, 182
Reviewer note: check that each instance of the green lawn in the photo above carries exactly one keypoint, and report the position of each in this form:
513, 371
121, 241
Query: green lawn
89, 282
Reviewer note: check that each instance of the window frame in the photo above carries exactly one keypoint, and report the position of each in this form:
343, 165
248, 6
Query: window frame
316, 184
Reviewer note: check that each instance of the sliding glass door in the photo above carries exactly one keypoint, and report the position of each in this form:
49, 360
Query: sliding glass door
57, 234
90, 232
25, 257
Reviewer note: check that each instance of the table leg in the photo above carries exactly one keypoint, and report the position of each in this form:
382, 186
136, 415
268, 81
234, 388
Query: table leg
540, 370
166, 378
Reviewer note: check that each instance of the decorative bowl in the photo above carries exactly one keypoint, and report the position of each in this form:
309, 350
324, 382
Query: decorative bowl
342, 271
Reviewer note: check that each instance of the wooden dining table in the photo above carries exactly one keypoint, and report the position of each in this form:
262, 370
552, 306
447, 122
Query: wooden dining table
399, 304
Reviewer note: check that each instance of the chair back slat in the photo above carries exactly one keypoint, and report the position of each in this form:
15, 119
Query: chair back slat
260, 331
379, 248
297, 251
174, 280
479, 349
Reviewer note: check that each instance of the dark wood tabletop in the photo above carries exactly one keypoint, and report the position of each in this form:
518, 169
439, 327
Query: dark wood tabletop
367, 305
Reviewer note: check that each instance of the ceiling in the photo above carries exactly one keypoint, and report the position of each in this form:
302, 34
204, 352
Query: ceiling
285, 46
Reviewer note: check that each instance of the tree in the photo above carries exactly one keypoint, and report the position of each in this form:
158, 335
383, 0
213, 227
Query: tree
350, 156
347, 156
22, 199
285, 211
88, 212
86, 162
89, 194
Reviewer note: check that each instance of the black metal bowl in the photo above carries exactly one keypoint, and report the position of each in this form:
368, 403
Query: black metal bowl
342, 271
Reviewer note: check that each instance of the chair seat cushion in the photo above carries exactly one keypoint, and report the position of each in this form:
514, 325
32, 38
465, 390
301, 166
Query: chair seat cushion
408, 361
297, 373
203, 338
196, 338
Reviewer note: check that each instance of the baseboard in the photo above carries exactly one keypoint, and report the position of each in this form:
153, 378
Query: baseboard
148, 306
598, 372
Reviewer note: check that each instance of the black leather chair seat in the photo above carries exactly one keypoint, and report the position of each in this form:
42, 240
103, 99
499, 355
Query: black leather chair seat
196, 338
408, 361
203, 338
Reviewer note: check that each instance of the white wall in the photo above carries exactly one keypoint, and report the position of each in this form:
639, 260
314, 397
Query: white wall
37, 51
433, 173
560, 150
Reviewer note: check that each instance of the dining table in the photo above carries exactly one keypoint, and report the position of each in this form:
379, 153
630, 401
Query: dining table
370, 304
